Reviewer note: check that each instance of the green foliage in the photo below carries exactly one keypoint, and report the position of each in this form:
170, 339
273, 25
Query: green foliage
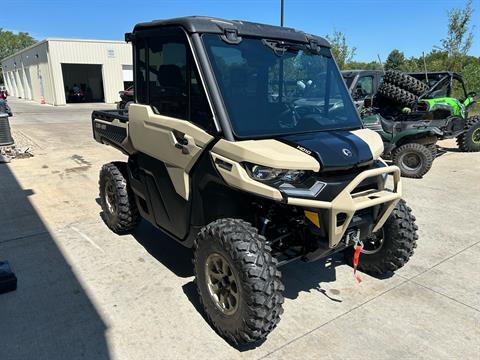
395, 60
360, 65
452, 55
11, 43
342, 52
460, 37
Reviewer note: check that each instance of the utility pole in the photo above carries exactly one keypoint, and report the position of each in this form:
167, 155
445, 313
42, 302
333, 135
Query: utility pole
281, 12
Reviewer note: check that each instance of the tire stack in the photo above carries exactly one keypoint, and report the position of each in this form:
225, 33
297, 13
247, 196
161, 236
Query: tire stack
401, 89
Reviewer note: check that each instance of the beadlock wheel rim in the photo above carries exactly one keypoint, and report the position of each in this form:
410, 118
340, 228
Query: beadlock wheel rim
222, 284
110, 197
374, 243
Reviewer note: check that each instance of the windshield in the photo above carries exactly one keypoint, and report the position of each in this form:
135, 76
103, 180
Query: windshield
274, 88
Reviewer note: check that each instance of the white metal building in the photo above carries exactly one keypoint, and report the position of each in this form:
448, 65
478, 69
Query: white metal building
50, 69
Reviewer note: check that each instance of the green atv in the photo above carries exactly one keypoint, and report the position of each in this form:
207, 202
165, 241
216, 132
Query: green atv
411, 112
410, 144
432, 96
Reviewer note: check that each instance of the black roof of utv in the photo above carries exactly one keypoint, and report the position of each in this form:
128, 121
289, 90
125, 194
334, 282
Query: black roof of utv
205, 24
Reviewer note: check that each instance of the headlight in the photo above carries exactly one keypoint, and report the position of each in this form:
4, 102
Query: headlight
268, 174
290, 182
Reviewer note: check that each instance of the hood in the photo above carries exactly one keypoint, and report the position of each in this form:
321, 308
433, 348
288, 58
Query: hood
336, 150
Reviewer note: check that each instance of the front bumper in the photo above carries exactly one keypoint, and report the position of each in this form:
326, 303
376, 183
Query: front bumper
348, 202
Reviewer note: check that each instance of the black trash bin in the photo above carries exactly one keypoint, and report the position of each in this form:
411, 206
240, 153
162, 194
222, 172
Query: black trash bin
5, 133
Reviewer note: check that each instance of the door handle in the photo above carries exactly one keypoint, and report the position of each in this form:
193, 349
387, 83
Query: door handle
181, 142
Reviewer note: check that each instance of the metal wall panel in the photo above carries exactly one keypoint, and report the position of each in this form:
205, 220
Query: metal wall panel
28, 74
36, 72
111, 55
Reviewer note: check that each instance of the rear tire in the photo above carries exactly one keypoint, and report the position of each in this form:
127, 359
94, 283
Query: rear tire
250, 310
469, 141
120, 211
414, 160
433, 150
397, 95
398, 242
405, 82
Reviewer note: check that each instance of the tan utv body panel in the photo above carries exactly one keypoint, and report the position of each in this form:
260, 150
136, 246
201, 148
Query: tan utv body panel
349, 202
237, 177
153, 135
271, 153
126, 144
373, 140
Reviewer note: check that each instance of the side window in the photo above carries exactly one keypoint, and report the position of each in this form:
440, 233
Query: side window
363, 88
141, 71
167, 78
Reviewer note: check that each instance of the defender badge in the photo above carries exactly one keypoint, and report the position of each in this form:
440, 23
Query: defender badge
347, 153
301, 148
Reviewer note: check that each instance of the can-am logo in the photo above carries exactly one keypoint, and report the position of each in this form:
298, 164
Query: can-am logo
301, 148
347, 153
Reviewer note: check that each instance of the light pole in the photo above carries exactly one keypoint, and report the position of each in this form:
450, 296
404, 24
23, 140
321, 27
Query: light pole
281, 12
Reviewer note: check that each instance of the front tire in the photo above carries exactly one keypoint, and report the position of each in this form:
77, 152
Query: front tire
238, 282
120, 211
392, 246
469, 141
414, 160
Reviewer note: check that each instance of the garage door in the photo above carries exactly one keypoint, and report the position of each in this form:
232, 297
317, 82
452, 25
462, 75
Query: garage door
83, 83
127, 73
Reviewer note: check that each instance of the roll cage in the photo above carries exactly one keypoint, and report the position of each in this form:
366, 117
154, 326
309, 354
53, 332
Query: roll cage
436, 80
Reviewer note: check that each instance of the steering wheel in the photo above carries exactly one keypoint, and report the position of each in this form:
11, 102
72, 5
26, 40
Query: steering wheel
288, 117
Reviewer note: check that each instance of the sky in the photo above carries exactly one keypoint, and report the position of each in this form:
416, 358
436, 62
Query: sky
372, 26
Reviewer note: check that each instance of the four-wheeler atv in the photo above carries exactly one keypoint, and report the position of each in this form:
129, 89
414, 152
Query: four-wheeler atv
244, 144
410, 124
127, 98
410, 144
431, 96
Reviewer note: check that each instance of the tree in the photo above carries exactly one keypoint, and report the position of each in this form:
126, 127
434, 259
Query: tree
342, 53
459, 38
395, 60
11, 43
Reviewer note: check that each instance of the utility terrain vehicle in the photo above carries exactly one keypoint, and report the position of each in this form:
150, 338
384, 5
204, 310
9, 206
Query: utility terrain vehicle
410, 116
362, 84
440, 96
244, 144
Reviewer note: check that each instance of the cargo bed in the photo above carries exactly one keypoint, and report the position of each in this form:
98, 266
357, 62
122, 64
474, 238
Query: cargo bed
111, 127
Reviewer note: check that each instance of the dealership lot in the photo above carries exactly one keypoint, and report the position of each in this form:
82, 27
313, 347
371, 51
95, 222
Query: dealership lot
85, 292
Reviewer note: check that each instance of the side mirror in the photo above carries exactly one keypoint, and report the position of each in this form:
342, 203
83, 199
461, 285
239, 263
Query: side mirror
472, 94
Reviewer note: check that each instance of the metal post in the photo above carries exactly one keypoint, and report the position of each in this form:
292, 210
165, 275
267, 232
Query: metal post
425, 67
281, 12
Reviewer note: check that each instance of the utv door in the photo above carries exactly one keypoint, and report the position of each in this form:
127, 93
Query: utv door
169, 126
